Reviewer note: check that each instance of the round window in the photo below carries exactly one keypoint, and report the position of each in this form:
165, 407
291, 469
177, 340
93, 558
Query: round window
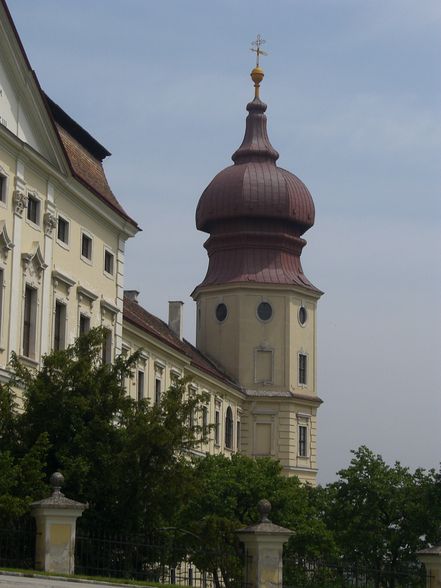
264, 311
303, 315
221, 312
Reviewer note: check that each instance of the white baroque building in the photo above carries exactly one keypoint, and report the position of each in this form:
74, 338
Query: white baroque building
62, 243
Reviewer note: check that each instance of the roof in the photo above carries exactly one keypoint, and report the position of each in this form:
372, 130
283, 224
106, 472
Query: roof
256, 214
83, 152
135, 314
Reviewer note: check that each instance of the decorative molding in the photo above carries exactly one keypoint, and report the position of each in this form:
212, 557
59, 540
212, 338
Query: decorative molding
6, 245
33, 263
58, 277
20, 201
50, 223
84, 294
107, 306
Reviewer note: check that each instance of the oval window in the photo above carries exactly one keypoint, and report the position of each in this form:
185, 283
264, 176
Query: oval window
303, 315
221, 312
264, 311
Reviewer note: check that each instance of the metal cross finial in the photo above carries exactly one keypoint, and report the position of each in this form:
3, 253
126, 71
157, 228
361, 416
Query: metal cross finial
256, 48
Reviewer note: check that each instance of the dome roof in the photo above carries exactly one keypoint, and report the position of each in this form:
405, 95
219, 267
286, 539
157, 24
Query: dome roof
255, 213
254, 187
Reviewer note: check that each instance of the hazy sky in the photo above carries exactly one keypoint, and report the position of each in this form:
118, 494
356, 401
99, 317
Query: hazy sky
353, 90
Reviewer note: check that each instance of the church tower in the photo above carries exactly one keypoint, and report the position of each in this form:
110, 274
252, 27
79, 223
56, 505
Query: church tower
256, 309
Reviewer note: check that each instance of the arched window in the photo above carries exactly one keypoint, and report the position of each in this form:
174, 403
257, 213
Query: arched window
229, 429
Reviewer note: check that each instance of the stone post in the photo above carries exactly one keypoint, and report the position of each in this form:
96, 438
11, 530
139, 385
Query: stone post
55, 519
431, 558
264, 549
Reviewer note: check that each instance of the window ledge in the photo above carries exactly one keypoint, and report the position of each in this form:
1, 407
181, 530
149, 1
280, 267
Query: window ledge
86, 260
63, 244
28, 360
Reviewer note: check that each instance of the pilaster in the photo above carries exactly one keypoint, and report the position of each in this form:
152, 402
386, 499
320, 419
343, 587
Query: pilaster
20, 202
50, 224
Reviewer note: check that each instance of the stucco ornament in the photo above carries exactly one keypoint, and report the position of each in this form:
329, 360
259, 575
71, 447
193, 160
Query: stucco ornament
20, 202
33, 264
50, 223
6, 245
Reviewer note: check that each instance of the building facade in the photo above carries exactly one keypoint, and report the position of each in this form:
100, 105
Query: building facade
62, 243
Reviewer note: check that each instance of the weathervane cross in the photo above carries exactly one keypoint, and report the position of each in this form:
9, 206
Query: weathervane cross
256, 48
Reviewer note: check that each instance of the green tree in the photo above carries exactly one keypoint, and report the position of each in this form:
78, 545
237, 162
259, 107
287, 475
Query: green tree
224, 498
21, 469
126, 459
380, 514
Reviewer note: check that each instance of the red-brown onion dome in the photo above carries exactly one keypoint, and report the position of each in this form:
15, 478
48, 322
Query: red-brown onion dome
254, 187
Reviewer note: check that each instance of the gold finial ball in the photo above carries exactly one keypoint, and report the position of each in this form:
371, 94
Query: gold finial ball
257, 75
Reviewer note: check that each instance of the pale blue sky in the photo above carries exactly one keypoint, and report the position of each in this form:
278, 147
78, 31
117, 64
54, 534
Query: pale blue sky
353, 90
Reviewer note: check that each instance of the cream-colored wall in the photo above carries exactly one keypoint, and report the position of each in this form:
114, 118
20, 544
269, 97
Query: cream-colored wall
279, 403
63, 275
234, 342
156, 354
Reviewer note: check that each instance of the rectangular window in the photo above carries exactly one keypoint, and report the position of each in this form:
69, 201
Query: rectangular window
140, 385
86, 246
303, 441
2, 188
33, 210
302, 368
29, 321
60, 326
84, 324
108, 262
205, 420
107, 347
238, 436
63, 230
158, 384
217, 427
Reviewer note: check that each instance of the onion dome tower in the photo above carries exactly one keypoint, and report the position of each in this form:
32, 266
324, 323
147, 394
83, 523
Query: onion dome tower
255, 306
255, 212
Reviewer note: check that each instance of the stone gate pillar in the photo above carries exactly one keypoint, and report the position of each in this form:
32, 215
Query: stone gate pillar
264, 549
55, 519
431, 558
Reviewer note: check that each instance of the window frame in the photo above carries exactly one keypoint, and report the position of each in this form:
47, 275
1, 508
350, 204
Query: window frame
4, 180
229, 429
87, 318
109, 252
86, 235
29, 331
217, 426
302, 440
107, 346
65, 244
34, 198
140, 384
302, 370
59, 339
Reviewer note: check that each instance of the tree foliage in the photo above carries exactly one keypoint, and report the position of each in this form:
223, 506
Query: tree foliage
124, 458
131, 461
381, 515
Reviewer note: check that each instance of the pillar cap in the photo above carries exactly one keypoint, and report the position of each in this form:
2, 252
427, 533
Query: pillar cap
265, 526
57, 498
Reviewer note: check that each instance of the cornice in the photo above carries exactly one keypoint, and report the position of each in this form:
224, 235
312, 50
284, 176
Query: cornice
259, 287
